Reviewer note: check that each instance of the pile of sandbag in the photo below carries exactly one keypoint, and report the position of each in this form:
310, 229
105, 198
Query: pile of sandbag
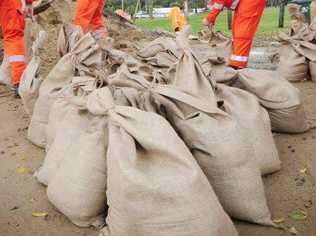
297, 54
163, 141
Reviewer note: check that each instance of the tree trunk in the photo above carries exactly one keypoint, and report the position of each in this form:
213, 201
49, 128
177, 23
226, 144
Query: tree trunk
151, 8
186, 9
136, 10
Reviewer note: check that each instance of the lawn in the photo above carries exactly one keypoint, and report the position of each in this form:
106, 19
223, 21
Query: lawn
268, 25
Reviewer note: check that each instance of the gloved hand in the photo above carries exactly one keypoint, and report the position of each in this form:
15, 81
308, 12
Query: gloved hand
27, 10
208, 26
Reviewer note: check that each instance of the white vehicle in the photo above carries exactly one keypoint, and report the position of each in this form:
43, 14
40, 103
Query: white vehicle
162, 12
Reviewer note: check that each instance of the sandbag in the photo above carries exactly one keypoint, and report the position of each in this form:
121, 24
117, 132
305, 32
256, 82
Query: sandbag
78, 186
28, 37
159, 45
72, 125
162, 52
79, 88
85, 56
255, 123
295, 12
67, 122
312, 70
216, 69
294, 56
299, 28
154, 186
307, 49
30, 79
219, 42
57, 113
301, 31
292, 65
281, 99
312, 26
5, 71
68, 35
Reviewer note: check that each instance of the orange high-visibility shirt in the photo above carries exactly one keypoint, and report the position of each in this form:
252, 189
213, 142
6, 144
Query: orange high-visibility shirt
218, 5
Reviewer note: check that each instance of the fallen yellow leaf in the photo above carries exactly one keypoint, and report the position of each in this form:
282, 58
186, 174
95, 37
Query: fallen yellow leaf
279, 220
303, 171
299, 215
22, 170
293, 230
32, 200
39, 214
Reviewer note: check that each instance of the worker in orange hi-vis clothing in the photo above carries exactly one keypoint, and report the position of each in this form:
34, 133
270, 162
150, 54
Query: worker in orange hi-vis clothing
177, 18
12, 13
89, 16
247, 16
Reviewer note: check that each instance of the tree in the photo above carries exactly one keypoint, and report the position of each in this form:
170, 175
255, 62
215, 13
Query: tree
151, 8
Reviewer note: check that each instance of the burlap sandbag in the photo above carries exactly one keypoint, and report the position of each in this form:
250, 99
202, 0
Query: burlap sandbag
115, 58
67, 122
159, 45
301, 31
216, 69
57, 113
5, 71
304, 48
28, 37
85, 56
162, 52
312, 70
255, 123
31, 80
220, 43
154, 187
79, 88
70, 128
292, 65
295, 12
281, 99
68, 35
78, 186
293, 57
312, 26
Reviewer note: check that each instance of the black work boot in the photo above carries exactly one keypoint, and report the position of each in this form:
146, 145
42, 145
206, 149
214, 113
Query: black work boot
16, 91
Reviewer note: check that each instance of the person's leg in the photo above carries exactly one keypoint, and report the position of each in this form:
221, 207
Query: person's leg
84, 13
97, 22
12, 24
246, 20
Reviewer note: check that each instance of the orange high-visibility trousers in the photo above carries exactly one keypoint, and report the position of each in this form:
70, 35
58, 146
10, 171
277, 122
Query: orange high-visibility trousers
12, 25
89, 16
246, 20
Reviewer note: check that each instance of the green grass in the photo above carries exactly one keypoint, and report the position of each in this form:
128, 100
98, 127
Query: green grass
268, 25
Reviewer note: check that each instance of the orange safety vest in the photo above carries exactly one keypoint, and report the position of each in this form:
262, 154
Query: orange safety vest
176, 18
220, 5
